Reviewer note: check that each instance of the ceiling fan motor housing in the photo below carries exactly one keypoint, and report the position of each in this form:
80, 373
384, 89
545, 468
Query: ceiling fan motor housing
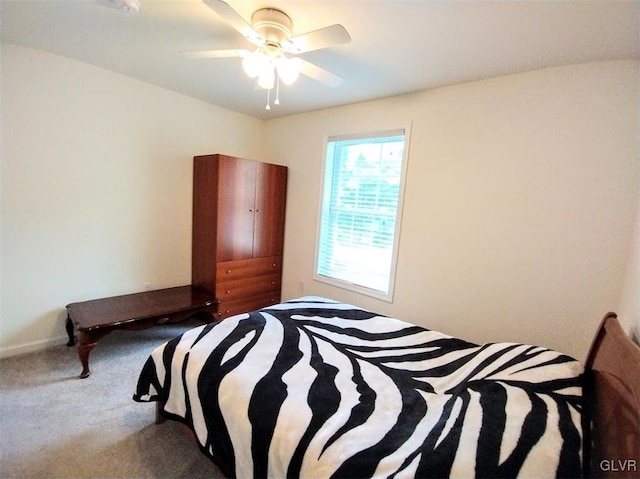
273, 25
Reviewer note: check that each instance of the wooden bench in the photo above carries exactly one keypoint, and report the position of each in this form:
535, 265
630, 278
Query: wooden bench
96, 318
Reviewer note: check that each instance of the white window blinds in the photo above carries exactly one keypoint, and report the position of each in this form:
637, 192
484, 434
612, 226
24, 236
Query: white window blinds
360, 210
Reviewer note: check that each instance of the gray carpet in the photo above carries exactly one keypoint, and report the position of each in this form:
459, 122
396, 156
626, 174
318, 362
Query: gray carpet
54, 425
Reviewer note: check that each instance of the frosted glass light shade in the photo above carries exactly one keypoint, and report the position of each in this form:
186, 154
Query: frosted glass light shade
289, 69
267, 78
255, 63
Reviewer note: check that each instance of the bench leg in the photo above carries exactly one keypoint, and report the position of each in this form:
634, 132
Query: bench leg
69, 326
85, 347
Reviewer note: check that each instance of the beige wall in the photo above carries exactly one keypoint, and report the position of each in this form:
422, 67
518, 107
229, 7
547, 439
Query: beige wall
96, 187
519, 206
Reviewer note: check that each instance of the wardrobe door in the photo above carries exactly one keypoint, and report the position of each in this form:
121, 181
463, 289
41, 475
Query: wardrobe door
236, 208
270, 202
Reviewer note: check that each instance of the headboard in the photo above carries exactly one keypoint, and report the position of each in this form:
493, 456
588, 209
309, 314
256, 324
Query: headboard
611, 419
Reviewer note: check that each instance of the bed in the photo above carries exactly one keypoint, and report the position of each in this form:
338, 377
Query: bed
317, 388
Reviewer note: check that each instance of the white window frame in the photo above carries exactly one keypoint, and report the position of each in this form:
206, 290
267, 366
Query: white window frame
325, 189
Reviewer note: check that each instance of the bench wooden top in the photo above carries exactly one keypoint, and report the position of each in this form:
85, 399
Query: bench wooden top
109, 312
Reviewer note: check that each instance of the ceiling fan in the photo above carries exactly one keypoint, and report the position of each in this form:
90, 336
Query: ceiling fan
275, 58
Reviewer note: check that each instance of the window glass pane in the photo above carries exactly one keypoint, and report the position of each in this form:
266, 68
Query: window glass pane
359, 210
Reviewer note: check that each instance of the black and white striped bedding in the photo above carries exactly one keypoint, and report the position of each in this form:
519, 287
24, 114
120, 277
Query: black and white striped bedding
314, 388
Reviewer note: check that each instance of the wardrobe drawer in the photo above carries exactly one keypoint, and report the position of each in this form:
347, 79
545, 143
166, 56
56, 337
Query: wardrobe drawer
246, 268
245, 287
228, 308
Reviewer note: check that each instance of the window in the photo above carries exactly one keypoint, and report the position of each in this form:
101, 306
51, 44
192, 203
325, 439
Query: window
360, 216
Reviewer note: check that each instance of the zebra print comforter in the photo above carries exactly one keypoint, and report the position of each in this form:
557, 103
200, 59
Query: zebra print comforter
314, 388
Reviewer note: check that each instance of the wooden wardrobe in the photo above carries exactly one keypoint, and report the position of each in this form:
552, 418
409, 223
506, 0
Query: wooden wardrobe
238, 231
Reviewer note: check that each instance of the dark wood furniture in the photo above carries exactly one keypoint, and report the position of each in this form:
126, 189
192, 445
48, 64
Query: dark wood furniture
238, 231
611, 419
96, 318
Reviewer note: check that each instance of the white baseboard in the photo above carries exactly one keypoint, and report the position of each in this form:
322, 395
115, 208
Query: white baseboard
33, 346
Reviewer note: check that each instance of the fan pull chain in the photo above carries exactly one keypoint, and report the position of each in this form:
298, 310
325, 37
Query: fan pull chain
277, 102
268, 107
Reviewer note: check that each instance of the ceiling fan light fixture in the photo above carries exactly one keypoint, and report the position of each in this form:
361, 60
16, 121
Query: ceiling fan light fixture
266, 61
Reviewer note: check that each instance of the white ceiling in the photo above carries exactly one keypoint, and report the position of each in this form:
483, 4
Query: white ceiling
397, 46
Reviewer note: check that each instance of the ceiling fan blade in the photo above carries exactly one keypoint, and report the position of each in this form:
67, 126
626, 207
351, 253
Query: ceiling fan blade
235, 20
216, 53
320, 74
318, 39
